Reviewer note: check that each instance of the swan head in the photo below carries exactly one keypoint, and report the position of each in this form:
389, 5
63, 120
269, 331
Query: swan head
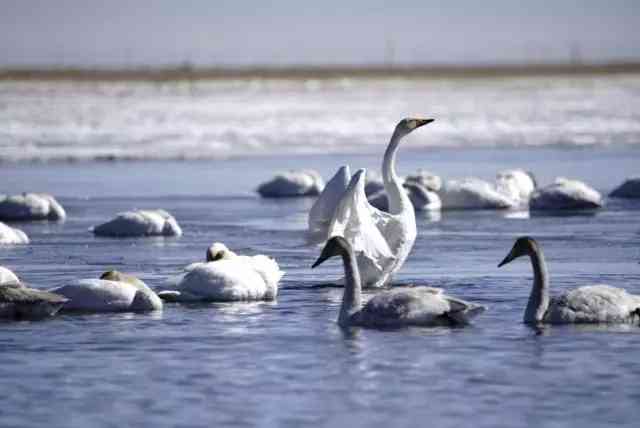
336, 246
523, 246
112, 275
219, 251
408, 125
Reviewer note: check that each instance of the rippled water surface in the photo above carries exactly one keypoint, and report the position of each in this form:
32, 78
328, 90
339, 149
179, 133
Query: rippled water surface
286, 363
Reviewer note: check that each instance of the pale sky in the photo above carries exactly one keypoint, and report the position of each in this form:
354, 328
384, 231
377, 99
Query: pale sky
241, 32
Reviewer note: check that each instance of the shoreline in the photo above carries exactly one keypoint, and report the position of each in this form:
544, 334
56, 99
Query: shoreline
188, 73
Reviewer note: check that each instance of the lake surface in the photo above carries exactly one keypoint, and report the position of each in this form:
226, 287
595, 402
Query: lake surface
287, 363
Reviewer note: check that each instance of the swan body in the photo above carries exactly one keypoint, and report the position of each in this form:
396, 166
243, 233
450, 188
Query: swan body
227, 277
22, 303
140, 223
31, 206
292, 183
421, 198
565, 194
113, 292
517, 184
11, 236
584, 305
629, 189
381, 240
419, 306
426, 179
473, 193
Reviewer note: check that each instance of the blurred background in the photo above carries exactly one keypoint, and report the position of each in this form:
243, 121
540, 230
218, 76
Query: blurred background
215, 79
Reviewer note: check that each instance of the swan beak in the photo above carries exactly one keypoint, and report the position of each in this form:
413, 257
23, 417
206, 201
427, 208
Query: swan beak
318, 262
507, 259
422, 122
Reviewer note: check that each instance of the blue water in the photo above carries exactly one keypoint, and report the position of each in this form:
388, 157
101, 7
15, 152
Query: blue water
287, 363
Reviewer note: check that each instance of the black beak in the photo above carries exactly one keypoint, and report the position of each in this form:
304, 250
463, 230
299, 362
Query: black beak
320, 260
422, 122
507, 259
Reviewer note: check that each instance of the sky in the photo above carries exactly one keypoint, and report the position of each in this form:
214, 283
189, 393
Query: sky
129, 33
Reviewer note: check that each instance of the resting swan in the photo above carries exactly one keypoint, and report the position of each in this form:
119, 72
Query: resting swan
305, 182
382, 241
565, 194
11, 236
31, 206
587, 304
227, 277
419, 306
21, 303
140, 223
113, 292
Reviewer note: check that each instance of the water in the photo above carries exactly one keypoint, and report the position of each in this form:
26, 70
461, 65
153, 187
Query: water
220, 119
287, 363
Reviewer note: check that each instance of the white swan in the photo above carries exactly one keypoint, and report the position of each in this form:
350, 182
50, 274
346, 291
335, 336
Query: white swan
113, 292
426, 179
19, 302
31, 206
140, 223
227, 277
565, 194
629, 189
588, 304
10, 235
421, 198
305, 182
419, 306
382, 241
473, 193
517, 184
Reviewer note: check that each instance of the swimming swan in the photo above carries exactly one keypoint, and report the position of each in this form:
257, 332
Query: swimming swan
382, 241
565, 194
10, 235
419, 306
305, 182
113, 292
587, 304
21, 303
31, 206
517, 184
227, 277
140, 223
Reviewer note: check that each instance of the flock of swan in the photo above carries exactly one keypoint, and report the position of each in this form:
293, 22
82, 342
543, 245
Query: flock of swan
367, 221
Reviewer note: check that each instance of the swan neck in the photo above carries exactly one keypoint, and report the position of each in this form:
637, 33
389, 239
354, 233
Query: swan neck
351, 299
539, 297
398, 199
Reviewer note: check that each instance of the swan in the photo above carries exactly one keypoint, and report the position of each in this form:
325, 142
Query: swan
140, 223
426, 179
587, 304
113, 292
31, 206
421, 198
419, 306
19, 302
565, 194
225, 277
382, 241
629, 189
473, 193
516, 184
305, 182
10, 235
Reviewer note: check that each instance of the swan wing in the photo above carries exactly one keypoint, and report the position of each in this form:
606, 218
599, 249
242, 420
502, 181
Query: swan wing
594, 304
97, 295
324, 208
363, 226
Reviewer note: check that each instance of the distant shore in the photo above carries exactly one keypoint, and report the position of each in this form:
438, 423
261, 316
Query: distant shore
189, 73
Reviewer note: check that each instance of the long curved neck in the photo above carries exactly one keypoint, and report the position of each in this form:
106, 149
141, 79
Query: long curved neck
539, 297
351, 299
398, 199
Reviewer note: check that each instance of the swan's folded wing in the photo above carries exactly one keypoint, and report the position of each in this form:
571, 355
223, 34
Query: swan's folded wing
360, 224
323, 210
